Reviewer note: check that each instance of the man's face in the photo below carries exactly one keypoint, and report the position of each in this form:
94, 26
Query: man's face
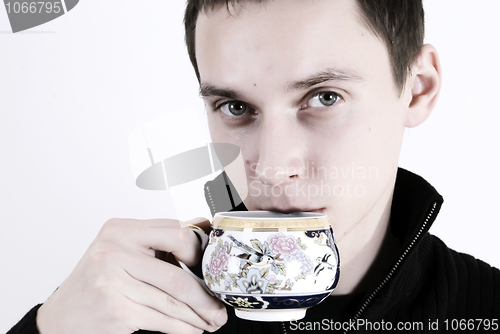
307, 93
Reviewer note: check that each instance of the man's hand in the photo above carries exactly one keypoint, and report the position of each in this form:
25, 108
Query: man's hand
120, 287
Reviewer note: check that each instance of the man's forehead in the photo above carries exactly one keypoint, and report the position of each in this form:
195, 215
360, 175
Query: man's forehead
272, 23
307, 39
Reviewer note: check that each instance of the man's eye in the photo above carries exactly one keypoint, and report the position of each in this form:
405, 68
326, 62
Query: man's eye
324, 99
233, 108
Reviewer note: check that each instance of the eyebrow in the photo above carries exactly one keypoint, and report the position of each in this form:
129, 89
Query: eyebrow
207, 90
329, 74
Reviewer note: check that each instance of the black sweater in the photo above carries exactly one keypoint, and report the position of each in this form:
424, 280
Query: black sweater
429, 288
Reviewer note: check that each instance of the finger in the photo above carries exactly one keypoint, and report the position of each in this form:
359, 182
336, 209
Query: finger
148, 295
149, 319
158, 234
177, 283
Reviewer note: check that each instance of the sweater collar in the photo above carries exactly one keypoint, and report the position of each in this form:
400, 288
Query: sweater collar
413, 201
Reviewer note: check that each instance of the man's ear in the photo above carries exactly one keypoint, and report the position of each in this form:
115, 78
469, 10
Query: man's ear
424, 84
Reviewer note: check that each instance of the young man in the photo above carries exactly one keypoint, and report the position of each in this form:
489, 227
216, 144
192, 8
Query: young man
317, 94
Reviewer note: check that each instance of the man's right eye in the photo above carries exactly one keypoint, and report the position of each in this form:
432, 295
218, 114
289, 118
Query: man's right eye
233, 108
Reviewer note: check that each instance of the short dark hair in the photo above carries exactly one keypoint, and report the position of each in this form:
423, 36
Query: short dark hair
398, 23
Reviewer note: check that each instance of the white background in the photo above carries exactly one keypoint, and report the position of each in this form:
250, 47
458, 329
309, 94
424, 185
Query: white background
74, 89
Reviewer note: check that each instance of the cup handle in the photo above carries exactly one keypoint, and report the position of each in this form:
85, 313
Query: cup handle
201, 235
204, 241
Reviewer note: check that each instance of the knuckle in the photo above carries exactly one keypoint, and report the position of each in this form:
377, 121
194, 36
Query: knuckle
113, 223
105, 283
108, 304
187, 237
103, 253
112, 226
170, 305
116, 312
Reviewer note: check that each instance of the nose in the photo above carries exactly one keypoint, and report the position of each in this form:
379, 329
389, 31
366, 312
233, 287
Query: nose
281, 148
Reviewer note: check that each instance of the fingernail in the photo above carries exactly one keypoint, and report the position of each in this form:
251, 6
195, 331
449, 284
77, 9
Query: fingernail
221, 318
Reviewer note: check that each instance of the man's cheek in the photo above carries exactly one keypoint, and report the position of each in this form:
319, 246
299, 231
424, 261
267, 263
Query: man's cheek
254, 173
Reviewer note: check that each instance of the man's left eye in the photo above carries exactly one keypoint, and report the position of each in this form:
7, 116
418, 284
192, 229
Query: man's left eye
233, 108
324, 99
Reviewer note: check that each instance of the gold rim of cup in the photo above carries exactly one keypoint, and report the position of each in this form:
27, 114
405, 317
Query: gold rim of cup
270, 220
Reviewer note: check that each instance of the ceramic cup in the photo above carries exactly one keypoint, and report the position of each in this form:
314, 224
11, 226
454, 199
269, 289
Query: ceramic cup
270, 266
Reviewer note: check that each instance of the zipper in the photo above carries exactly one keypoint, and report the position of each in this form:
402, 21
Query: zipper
283, 328
394, 268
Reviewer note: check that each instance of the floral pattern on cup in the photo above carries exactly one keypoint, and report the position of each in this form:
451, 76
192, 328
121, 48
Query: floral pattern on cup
306, 265
219, 263
281, 244
253, 282
261, 267
246, 302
